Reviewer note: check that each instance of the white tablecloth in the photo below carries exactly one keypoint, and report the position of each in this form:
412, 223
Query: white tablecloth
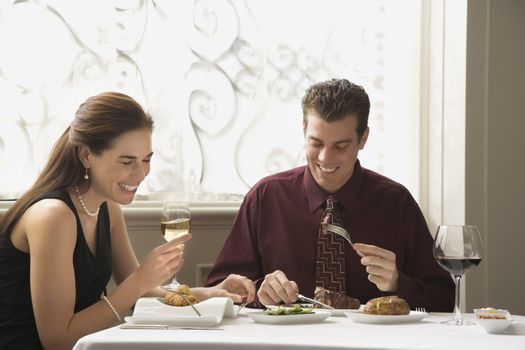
333, 333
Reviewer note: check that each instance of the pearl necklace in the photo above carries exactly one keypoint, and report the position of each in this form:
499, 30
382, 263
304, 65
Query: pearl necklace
83, 205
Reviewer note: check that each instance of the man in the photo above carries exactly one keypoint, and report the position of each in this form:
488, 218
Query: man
277, 239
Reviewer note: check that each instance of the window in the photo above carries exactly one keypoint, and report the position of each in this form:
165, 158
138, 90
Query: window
222, 79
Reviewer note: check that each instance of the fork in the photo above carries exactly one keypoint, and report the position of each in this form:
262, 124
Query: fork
313, 301
241, 307
338, 230
421, 309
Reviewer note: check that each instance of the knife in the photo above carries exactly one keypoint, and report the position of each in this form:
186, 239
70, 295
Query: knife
313, 301
166, 327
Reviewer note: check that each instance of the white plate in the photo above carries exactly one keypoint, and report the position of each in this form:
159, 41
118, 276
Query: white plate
333, 312
360, 317
184, 321
155, 311
261, 317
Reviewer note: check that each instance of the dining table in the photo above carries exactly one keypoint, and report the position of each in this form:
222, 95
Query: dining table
334, 332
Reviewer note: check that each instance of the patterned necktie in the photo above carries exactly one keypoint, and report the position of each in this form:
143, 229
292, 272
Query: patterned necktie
331, 262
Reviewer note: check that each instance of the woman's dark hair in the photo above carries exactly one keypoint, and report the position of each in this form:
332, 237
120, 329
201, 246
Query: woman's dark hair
98, 121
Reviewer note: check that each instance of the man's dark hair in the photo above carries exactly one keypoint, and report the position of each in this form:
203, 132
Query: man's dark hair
336, 99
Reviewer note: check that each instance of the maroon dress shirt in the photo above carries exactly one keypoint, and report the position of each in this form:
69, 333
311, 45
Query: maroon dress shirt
278, 224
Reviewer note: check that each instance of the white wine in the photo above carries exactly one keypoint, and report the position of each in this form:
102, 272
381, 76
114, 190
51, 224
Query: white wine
175, 228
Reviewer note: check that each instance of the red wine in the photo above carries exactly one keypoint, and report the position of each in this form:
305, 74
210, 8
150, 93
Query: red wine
458, 266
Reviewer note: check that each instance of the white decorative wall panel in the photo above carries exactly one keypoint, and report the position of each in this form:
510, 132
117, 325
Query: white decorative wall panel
222, 79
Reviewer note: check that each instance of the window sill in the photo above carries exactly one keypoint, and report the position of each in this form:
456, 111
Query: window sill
146, 214
143, 214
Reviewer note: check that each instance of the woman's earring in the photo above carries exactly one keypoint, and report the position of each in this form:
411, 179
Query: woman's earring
87, 175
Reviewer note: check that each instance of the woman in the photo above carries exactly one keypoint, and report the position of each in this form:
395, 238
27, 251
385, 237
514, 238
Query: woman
65, 237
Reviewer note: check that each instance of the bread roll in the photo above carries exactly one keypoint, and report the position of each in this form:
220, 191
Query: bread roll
180, 297
390, 305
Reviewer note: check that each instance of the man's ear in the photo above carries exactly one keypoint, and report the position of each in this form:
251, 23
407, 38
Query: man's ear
84, 156
364, 138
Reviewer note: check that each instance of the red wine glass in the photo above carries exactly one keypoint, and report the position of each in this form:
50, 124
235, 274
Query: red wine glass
458, 249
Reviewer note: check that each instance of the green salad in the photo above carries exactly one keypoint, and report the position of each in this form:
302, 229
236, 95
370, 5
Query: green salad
288, 310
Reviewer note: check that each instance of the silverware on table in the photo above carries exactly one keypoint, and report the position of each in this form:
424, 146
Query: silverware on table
241, 307
166, 327
313, 301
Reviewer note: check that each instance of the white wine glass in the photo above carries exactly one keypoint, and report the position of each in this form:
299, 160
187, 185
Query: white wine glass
175, 221
458, 249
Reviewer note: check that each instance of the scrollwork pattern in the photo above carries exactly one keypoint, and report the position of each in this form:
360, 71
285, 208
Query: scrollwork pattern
220, 77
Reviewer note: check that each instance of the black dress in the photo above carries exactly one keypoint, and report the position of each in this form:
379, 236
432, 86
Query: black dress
92, 273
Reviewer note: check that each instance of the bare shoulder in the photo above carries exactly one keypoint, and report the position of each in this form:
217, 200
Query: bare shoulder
48, 210
49, 218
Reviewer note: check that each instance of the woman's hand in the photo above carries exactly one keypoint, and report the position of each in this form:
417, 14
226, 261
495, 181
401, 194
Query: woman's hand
161, 264
239, 288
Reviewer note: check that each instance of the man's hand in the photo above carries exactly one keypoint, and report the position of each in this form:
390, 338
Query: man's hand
380, 266
276, 289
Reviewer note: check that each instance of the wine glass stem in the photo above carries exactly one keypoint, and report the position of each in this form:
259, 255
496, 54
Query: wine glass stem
457, 312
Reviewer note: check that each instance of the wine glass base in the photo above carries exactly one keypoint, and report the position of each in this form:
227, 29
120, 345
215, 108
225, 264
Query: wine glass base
171, 287
460, 322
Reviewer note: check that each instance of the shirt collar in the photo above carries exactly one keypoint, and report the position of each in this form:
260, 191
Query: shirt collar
346, 195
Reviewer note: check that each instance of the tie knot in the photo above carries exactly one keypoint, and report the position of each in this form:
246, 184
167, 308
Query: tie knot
331, 202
